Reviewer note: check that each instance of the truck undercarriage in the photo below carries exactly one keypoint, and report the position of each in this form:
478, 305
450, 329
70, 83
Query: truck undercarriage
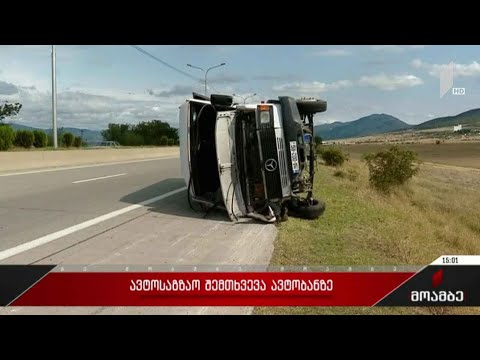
254, 161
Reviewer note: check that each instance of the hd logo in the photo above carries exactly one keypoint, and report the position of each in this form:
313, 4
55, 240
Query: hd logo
446, 81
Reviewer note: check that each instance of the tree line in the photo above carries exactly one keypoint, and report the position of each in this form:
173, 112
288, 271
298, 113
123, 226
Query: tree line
154, 132
10, 138
27, 139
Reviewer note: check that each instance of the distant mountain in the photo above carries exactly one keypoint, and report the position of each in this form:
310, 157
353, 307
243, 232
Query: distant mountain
368, 125
23, 127
470, 117
88, 135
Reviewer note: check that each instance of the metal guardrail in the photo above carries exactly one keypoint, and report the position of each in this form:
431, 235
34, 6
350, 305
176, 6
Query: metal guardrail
111, 144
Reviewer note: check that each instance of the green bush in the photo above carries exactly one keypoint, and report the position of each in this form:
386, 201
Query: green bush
50, 140
171, 142
24, 138
390, 168
352, 174
77, 142
333, 156
40, 139
7, 137
339, 173
164, 140
132, 139
67, 139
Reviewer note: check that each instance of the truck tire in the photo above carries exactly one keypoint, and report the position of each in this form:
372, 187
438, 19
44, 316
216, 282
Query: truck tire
304, 209
311, 106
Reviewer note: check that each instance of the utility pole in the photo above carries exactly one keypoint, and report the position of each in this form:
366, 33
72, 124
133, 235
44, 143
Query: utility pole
54, 98
206, 72
245, 98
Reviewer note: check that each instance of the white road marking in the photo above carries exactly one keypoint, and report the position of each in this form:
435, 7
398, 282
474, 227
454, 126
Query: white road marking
72, 229
85, 166
98, 178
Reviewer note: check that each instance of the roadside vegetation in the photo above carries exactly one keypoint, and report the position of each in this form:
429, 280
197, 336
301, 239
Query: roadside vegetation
332, 155
435, 212
155, 132
146, 133
455, 154
26, 139
391, 168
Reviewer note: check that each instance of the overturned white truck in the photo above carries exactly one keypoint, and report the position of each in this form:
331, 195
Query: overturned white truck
253, 160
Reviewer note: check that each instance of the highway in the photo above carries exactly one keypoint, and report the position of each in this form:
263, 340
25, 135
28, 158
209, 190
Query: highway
135, 212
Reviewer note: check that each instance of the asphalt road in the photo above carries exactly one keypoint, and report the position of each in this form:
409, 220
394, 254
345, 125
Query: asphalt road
33, 205
129, 213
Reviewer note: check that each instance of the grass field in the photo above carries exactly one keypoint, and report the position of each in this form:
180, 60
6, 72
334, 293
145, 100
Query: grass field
457, 154
425, 136
436, 213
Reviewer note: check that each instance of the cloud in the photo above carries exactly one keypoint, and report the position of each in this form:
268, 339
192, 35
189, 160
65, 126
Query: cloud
396, 48
390, 82
175, 90
380, 81
87, 109
378, 62
323, 121
465, 70
417, 63
313, 86
269, 77
7, 88
333, 52
225, 78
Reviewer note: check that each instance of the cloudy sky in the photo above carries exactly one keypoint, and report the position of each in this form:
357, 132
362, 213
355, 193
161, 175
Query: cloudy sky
99, 84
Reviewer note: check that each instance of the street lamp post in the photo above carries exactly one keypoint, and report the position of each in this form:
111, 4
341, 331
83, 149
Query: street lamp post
245, 98
206, 72
54, 99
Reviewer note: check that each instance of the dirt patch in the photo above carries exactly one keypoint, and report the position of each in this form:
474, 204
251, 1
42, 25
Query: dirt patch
462, 154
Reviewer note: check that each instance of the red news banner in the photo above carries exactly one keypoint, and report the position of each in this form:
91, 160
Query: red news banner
211, 288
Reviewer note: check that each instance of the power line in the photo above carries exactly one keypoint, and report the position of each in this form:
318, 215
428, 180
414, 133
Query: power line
145, 52
211, 87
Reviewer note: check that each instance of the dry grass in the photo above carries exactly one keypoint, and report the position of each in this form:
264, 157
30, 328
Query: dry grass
426, 136
465, 154
436, 213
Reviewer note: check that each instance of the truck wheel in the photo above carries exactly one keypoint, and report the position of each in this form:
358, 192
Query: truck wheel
284, 214
305, 209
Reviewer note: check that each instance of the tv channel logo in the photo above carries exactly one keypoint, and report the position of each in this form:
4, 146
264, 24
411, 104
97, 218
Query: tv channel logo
446, 81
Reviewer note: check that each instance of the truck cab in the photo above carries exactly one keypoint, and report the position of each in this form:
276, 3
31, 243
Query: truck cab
254, 160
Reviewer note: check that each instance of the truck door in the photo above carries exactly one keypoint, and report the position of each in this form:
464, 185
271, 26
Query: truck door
183, 133
224, 136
